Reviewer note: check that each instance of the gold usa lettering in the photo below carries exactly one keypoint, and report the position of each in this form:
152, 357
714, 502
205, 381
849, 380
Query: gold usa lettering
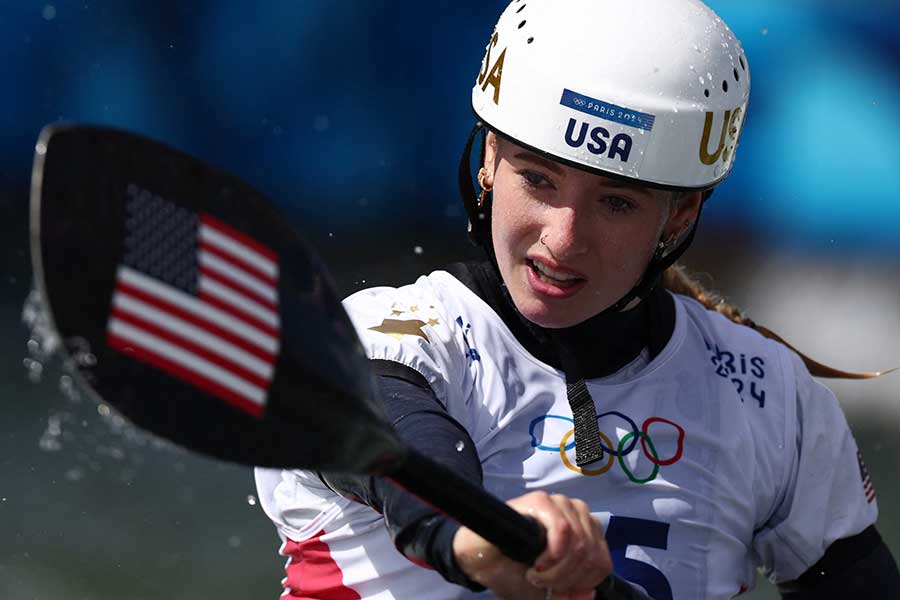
727, 138
492, 74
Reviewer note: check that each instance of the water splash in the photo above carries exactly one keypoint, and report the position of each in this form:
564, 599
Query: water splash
43, 342
51, 438
99, 442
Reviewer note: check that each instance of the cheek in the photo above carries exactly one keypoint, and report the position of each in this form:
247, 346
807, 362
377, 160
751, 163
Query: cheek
510, 221
627, 250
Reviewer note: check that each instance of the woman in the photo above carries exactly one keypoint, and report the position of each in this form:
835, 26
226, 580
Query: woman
573, 371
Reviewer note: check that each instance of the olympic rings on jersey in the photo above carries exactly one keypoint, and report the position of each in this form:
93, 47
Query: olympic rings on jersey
634, 430
576, 468
534, 439
654, 459
625, 446
679, 445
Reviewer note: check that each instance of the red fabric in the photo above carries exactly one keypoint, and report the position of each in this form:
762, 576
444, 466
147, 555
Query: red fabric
312, 573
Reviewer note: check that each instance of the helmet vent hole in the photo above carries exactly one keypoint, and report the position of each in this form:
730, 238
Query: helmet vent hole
706, 93
531, 39
743, 64
521, 8
737, 76
725, 86
522, 24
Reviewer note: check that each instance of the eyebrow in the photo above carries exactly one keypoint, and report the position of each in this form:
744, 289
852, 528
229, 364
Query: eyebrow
541, 162
555, 168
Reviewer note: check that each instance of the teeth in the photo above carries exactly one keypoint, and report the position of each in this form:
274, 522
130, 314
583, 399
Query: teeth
545, 270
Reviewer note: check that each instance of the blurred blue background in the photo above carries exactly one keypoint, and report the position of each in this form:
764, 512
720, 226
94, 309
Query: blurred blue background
351, 116
351, 109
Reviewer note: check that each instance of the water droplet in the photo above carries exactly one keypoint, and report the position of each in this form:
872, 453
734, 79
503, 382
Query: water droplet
330, 234
40, 148
321, 123
34, 369
48, 12
418, 250
874, 102
49, 441
764, 31
103, 410
460, 446
251, 500
234, 541
67, 388
84, 359
75, 474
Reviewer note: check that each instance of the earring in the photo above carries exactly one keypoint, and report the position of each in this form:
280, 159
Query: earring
663, 246
485, 188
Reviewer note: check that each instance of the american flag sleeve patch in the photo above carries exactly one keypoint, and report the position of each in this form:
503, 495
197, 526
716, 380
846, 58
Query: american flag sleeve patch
198, 300
868, 489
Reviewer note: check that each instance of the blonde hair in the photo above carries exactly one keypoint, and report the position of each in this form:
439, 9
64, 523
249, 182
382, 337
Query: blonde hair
677, 280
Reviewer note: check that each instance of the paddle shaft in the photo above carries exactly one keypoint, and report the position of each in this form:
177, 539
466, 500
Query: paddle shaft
519, 537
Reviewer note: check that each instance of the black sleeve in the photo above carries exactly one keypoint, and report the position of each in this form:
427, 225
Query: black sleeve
419, 531
859, 566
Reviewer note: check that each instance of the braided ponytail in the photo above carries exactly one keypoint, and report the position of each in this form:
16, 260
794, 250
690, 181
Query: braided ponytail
677, 280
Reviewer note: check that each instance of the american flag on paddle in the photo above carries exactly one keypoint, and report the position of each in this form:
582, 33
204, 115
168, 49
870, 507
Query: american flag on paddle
198, 300
866, 480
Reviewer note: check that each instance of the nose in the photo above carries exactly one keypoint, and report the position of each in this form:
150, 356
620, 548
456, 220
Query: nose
562, 233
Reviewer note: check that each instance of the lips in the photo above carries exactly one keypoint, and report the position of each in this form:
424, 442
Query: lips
552, 279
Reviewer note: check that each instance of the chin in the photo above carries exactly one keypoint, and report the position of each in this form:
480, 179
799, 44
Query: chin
546, 316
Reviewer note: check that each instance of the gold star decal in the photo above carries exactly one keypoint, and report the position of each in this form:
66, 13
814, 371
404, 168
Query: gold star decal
397, 328
413, 308
433, 322
396, 313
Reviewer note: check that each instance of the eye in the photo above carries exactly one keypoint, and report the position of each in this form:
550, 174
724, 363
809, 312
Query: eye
533, 179
619, 205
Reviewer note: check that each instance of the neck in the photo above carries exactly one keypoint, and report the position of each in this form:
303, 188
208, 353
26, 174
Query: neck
594, 348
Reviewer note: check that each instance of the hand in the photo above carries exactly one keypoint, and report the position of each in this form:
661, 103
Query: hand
574, 562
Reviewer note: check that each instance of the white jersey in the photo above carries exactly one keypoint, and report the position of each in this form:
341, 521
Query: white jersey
722, 455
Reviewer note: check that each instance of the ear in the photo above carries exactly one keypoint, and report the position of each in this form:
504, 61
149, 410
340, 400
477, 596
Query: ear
490, 157
687, 207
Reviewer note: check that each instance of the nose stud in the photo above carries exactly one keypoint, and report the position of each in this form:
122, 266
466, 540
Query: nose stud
543, 243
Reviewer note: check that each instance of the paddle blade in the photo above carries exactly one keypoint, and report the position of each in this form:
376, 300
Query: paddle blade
211, 323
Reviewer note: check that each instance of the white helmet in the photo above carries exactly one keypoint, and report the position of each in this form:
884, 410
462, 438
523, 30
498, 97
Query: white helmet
651, 90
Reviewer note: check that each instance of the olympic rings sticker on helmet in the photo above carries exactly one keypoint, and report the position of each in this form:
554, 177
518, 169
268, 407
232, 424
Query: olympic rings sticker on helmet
612, 421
